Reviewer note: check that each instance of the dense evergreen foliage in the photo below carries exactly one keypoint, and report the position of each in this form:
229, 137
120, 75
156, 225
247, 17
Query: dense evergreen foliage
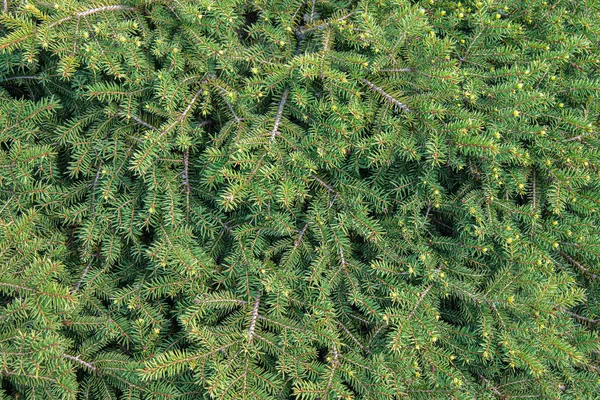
287, 199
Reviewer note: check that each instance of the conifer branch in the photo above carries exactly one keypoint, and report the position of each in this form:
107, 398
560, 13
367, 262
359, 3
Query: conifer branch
389, 98
326, 186
232, 110
139, 121
189, 106
93, 185
7, 203
275, 130
303, 30
312, 12
227, 103
186, 182
428, 210
80, 361
494, 389
343, 284
421, 298
254, 319
396, 70
533, 188
92, 11
581, 317
14, 78
354, 339
342, 258
227, 227
574, 138
299, 238
182, 115
578, 265
83, 275
334, 365
105, 8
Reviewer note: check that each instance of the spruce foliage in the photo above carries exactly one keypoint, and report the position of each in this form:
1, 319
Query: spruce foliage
299, 199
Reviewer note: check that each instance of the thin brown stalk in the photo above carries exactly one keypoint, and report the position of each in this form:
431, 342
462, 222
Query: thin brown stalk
186, 181
389, 98
80, 361
275, 130
254, 319
578, 265
91, 11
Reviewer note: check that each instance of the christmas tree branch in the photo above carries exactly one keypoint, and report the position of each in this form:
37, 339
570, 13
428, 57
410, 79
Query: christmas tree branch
80, 361
581, 317
396, 70
334, 365
533, 189
83, 275
494, 389
275, 130
186, 182
92, 11
389, 98
139, 121
326, 186
578, 265
254, 319
299, 239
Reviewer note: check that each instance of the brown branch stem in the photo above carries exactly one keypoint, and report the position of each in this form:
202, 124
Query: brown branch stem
254, 319
275, 130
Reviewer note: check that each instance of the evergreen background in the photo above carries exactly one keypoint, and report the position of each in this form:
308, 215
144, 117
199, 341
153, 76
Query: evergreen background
286, 199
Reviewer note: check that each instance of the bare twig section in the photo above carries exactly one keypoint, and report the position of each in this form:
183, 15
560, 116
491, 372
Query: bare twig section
183, 114
93, 185
578, 265
343, 259
326, 186
139, 121
227, 227
5, 7
303, 30
13, 196
80, 361
390, 99
83, 275
581, 317
312, 12
14, 78
533, 189
428, 211
421, 298
396, 70
355, 340
93, 11
235, 116
254, 319
223, 93
275, 130
209, 301
334, 365
578, 137
299, 239
494, 389
105, 8
189, 107
186, 182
